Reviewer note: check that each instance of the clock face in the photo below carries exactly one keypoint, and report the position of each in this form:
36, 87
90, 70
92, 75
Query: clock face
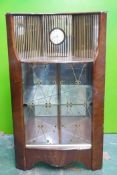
57, 36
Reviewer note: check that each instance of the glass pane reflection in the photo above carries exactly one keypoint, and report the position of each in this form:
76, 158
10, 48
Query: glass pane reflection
57, 103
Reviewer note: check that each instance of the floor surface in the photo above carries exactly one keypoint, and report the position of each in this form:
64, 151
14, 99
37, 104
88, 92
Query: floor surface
7, 161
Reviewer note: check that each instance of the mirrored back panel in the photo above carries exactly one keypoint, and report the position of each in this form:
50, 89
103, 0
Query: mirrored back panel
57, 102
56, 37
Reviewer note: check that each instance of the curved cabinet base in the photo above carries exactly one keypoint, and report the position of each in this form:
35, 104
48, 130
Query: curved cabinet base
57, 158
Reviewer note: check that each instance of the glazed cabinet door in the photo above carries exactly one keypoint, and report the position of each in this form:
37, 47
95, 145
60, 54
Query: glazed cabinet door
57, 100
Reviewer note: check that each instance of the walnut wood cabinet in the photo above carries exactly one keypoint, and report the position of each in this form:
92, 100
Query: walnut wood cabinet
57, 72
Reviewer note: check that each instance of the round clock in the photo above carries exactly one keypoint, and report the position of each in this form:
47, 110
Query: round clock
57, 36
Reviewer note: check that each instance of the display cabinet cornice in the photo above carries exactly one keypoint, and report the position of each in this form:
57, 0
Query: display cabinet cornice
57, 72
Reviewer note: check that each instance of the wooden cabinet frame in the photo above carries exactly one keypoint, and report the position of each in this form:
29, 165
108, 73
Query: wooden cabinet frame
25, 157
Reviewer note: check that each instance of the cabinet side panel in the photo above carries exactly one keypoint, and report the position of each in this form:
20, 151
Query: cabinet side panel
98, 97
16, 96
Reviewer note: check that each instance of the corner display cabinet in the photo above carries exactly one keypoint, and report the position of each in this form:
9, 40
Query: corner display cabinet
57, 70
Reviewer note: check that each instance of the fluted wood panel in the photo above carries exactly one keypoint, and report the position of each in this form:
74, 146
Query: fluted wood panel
32, 36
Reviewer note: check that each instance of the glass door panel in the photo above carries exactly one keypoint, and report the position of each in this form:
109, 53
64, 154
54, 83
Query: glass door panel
40, 103
57, 102
76, 98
